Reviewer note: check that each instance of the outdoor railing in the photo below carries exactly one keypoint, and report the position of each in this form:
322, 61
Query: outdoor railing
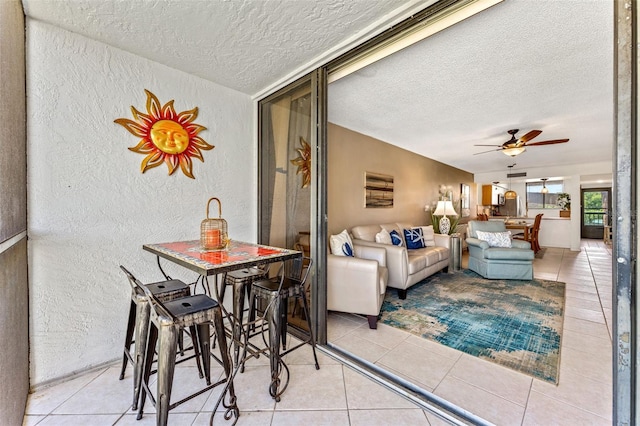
592, 218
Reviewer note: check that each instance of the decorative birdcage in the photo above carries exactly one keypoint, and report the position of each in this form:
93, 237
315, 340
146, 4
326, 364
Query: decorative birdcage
213, 232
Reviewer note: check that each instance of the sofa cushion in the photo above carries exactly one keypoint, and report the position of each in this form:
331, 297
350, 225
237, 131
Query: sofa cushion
432, 254
383, 237
417, 262
443, 252
365, 232
396, 238
496, 253
495, 239
341, 244
414, 239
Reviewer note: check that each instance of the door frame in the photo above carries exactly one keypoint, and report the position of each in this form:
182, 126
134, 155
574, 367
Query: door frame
586, 231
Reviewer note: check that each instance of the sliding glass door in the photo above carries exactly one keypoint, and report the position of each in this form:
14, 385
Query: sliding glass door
288, 201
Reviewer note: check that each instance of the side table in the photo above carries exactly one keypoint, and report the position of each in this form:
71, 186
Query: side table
455, 253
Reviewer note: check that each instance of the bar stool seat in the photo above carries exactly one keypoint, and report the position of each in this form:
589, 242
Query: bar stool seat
167, 320
138, 322
241, 279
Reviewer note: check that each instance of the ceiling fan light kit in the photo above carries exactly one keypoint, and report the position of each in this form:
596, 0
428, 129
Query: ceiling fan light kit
516, 146
512, 152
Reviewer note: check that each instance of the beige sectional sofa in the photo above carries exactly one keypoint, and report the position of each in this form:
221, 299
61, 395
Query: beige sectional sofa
406, 266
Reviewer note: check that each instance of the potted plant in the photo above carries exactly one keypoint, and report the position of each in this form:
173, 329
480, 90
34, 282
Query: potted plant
564, 202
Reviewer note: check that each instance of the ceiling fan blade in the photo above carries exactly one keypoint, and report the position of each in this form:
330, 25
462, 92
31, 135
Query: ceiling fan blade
497, 146
551, 142
484, 152
528, 136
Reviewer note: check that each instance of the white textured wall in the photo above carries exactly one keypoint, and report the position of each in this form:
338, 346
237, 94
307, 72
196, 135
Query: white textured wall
90, 208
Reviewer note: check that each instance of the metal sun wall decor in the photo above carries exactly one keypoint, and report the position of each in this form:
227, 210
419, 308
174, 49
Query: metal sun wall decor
167, 137
303, 162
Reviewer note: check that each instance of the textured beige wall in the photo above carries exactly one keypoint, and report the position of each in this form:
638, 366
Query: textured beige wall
14, 289
13, 162
416, 181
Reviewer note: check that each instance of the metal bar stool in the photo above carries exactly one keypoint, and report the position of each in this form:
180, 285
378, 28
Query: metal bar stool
240, 280
167, 320
275, 293
138, 321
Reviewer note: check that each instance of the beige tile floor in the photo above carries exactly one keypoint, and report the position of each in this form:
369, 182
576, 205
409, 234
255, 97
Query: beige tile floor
342, 396
500, 395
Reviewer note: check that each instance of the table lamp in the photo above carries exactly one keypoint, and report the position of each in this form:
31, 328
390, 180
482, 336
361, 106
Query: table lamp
444, 209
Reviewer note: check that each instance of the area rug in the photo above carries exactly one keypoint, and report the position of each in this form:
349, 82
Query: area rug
517, 324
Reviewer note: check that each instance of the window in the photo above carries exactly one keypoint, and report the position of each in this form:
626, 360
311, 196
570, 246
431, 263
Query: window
536, 199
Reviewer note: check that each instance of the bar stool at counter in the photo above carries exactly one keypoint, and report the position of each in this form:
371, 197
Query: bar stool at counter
139, 322
167, 320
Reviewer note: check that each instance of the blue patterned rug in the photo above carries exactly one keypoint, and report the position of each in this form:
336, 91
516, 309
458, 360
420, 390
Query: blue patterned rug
517, 324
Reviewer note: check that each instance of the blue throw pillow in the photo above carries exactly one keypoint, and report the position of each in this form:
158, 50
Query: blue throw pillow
396, 238
414, 238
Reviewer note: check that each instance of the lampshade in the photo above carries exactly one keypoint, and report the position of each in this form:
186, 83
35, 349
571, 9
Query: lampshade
510, 195
512, 152
445, 208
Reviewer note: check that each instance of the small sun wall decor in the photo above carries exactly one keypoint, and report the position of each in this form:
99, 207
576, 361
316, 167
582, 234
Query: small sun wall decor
167, 137
303, 162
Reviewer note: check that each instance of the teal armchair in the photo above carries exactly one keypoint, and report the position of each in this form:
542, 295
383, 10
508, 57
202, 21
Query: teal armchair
515, 262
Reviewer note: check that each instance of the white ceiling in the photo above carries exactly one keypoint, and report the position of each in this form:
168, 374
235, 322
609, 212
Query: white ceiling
522, 64
245, 45
527, 64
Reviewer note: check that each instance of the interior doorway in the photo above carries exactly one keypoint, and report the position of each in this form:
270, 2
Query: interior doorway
595, 212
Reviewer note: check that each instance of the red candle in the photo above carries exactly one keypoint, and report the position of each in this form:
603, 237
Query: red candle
213, 238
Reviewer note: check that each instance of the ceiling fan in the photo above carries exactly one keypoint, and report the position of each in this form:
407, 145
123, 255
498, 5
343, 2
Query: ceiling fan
514, 146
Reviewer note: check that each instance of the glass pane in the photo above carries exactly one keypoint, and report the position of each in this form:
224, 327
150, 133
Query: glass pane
596, 204
536, 199
285, 174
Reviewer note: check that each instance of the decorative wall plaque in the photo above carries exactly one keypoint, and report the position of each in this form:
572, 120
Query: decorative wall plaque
378, 190
167, 137
303, 161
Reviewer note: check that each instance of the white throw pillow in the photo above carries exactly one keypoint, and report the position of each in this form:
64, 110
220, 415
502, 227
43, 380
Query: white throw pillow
341, 244
495, 239
428, 234
383, 237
